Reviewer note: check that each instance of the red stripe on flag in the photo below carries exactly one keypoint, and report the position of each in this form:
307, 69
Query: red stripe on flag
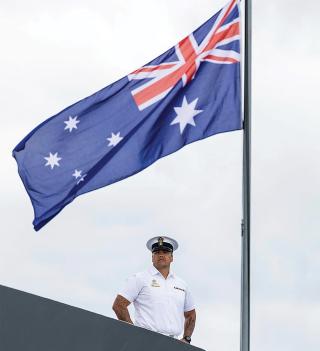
159, 87
151, 69
226, 13
187, 49
189, 55
233, 30
221, 59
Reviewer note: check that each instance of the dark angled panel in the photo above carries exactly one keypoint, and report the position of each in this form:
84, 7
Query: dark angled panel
32, 323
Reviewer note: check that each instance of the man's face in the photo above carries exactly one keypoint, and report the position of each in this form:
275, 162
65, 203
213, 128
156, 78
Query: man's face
162, 259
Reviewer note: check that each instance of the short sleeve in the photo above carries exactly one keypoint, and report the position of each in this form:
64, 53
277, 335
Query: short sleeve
189, 301
132, 288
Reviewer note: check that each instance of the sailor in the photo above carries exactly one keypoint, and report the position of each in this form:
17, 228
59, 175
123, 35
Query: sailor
162, 301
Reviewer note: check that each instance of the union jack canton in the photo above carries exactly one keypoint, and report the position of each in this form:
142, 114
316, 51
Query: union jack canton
224, 30
190, 92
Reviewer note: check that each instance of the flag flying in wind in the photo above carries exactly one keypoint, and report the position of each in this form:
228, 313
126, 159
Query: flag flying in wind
190, 92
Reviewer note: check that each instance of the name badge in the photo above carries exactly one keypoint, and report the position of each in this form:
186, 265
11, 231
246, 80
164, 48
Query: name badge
179, 289
155, 284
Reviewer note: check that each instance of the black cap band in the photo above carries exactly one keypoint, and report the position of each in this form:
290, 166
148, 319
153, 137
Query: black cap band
164, 247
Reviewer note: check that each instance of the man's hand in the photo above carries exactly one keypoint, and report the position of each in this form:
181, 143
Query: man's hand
183, 340
120, 307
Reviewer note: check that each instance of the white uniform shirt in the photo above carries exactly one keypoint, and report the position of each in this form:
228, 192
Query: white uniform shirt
159, 303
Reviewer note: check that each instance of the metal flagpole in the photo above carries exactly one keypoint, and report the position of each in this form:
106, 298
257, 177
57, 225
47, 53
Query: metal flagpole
245, 227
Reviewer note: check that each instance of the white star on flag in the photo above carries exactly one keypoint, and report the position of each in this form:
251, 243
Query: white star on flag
71, 123
76, 174
53, 160
185, 114
114, 139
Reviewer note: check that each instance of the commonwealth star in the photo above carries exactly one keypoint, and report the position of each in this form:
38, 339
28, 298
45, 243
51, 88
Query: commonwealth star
185, 114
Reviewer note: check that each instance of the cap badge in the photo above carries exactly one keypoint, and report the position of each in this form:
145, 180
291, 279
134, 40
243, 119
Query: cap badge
160, 241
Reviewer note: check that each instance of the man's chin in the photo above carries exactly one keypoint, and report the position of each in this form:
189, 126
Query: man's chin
162, 264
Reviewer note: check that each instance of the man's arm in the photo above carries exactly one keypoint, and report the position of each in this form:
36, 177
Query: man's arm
190, 322
120, 307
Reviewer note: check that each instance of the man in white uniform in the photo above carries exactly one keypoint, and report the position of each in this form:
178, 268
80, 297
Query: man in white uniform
162, 301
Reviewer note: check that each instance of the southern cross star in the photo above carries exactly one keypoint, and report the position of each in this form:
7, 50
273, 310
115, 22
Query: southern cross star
76, 174
52, 160
71, 123
114, 139
185, 114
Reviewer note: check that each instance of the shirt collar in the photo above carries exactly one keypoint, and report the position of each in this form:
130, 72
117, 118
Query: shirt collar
153, 270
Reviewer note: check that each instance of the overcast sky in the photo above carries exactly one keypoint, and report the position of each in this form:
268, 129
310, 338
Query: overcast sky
56, 52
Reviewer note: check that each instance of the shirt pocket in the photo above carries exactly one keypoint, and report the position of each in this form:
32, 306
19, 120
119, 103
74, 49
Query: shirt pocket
153, 294
178, 296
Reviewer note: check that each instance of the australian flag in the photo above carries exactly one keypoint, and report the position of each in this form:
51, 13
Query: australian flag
190, 92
